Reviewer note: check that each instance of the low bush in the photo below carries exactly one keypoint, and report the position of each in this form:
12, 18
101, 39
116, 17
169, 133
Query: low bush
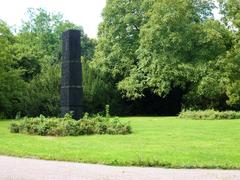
69, 127
209, 114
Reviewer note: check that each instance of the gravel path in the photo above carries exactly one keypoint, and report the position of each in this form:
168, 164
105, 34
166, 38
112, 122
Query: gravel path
12, 168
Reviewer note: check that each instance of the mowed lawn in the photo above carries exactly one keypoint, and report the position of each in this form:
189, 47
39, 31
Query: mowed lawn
156, 141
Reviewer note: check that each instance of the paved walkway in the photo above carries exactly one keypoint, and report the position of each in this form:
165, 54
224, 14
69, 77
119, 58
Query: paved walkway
31, 169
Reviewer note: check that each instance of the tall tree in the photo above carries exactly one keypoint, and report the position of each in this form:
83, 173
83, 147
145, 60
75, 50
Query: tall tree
11, 85
161, 46
119, 36
230, 10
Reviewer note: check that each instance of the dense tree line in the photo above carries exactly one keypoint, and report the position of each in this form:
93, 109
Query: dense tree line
151, 57
170, 54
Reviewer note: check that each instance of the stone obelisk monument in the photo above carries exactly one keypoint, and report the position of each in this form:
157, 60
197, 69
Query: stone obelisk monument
71, 85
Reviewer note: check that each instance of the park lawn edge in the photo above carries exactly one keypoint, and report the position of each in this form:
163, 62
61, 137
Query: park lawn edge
133, 164
137, 163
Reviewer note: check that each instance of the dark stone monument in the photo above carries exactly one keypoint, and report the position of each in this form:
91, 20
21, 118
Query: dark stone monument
71, 85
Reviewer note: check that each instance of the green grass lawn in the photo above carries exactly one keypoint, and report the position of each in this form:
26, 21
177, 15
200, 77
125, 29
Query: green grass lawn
156, 141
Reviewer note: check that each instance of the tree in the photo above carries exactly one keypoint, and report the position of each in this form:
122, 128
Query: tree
42, 94
177, 37
161, 46
230, 10
42, 30
119, 36
97, 92
11, 85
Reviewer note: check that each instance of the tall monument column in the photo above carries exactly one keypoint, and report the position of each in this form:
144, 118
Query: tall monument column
71, 84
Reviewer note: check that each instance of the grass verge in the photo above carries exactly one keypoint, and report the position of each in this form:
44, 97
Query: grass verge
156, 141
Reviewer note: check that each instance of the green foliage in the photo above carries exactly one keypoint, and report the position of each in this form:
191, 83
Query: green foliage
11, 85
42, 95
14, 128
177, 38
98, 90
2, 115
209, 114
161, 46
145, 49
119, 37
30, 63
69, 127
231, 12
107, 111
233, 93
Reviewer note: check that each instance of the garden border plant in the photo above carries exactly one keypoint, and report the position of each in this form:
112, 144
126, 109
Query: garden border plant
209, 114
69, 127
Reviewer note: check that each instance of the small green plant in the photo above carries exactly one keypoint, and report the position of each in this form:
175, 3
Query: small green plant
209, 114
14, 128
86, 115
69, 127
68, 115
107, 111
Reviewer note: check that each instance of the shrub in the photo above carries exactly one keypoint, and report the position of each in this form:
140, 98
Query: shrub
209, 114
14, 128
68, 127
